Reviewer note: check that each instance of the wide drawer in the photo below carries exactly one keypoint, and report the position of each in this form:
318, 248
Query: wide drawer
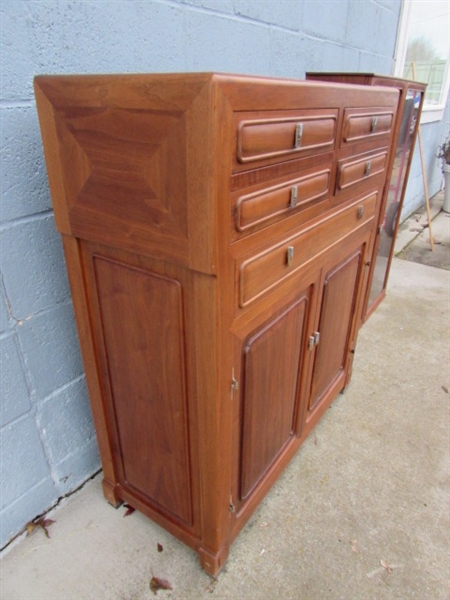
274, 202
284, 135
366, 124
354, 171
263, 272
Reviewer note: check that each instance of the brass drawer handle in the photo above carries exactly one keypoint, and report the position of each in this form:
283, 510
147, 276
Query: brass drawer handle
368, 167
298, 135
290, 255
294, 196
374, 124
360, 212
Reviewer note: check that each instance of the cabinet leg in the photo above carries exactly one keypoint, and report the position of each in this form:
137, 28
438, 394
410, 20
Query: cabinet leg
213, 563
110, 494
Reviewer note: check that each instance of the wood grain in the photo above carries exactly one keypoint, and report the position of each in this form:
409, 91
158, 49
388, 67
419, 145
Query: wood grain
173, 193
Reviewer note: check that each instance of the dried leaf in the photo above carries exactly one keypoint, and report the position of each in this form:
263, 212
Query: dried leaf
30, 527
445, 389
43, 523
389, 568
160, 548
130, 510
159, 584
355, 547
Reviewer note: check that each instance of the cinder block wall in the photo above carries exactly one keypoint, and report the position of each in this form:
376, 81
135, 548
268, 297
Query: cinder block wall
48, 445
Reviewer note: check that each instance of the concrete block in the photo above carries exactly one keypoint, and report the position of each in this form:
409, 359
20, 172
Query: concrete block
387, 30
5, 318
283, 13
23, 185
15, 391
325, 19
362, 25
50, 346
393, 5
225, 6
66, 422
74, 470
217, 43
350, 59
105, 37
332, 56
24, 464
33, 267
17, 54
374, 63
32, 503
288, 55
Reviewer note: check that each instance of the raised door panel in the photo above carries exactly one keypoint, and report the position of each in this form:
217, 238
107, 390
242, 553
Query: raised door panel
271, 367
143, 337
339, 297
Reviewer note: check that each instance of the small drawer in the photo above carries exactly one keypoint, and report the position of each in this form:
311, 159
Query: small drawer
263, 272
272, 136
362, 125
355, 171
275, 202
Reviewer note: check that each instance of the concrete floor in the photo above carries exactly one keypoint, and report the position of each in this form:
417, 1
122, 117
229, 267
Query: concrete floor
413, 239
362, 512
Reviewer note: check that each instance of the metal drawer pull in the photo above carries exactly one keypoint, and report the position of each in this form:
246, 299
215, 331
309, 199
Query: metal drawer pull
368, 167
294, 196
374, 124
313, 340
290, 255
298, 135
360, 211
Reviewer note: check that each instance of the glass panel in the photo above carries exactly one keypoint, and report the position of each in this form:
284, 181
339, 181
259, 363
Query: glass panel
395, 193
428, 48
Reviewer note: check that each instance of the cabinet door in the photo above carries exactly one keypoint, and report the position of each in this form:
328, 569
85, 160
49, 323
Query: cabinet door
332, 341
271, 367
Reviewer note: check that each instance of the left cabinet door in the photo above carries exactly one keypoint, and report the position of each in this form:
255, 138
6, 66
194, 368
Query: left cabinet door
271, 363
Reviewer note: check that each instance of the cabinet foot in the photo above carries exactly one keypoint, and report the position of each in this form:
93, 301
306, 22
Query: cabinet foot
213, 563
110, 494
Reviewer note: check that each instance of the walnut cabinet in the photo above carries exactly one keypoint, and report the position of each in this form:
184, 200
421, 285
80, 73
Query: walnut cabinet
217, 231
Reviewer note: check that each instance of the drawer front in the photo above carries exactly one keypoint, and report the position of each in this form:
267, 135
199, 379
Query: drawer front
276, 202
269, 137
263, 272
360, 170
366, 124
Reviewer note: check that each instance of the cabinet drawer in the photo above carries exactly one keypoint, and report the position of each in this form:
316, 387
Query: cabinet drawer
275, 202
355, 171
261, 273
366, 124
285, 136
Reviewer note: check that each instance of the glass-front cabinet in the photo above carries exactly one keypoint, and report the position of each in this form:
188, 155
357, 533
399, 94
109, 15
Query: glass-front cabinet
409, 119
406, 128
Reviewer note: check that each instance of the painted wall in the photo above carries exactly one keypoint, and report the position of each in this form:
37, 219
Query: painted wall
48, 445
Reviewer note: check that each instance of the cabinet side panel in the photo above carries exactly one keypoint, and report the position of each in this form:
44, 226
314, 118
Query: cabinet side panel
339, 297
271, 370
142, 323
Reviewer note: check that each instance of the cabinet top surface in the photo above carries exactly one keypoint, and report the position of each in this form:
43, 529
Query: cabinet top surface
194, 77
